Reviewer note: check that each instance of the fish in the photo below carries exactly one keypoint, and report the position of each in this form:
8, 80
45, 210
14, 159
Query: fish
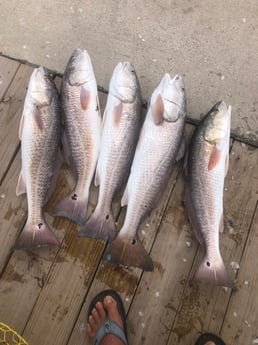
40, 135
82, 132
121, 127
159, 146
206, 165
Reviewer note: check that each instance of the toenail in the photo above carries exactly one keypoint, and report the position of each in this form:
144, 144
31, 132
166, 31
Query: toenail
90, 317
108, 299
94, 311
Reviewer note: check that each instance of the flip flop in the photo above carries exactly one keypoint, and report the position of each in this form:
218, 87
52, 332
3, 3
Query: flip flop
205, 337
109, 326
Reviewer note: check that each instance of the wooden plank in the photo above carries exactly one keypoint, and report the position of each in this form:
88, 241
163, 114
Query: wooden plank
241, 322
125, 280
11, 110
8, 69
202, 307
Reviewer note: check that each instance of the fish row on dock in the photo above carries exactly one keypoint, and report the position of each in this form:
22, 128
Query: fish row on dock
120, 151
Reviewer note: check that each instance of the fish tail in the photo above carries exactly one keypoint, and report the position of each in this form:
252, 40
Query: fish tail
72, 207
123, 251
100, 226
213, 273
32, 236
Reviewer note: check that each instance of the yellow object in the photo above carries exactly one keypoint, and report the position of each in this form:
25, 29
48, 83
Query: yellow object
8, 336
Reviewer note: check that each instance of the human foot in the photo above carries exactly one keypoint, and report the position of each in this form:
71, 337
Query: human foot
209, 339
106, 320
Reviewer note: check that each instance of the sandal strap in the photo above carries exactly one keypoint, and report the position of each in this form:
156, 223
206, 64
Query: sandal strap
109, 327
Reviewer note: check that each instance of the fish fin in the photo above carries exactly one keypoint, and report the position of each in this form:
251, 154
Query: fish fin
215, 157
181, 151
213, 273
100, 226
128, 253
72, 207
97, 104
85, 97
104, 117
185, 164
36, 236
21, 127
192, 215
158, 110
117, 113
226, 164
96, 179
21, 186
124, 200
37, 118
221, 224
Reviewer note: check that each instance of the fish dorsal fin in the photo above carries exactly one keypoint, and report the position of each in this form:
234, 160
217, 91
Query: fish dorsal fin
117, 113
21, 186
37, 118
21, 127
215, 157
158, 110
85, 97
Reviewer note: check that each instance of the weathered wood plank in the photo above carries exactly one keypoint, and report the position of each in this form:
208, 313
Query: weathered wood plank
8, 68
241, 321
202, 308
125, 280
11, 110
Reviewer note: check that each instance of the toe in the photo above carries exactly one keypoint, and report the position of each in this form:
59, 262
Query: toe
101, 311
90, 331
96, 316
110, 306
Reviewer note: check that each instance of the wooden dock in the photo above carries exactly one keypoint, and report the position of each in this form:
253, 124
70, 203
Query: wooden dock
44, 293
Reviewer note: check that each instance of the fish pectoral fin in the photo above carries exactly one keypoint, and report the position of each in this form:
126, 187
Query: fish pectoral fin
21, 186
21, 127
85, 97
157, 110
37, 118
215, 157
117, 113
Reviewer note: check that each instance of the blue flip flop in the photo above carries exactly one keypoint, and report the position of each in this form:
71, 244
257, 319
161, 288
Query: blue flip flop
109, 326
205, 337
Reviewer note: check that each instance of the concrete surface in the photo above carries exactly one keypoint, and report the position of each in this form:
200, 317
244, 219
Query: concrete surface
213, 44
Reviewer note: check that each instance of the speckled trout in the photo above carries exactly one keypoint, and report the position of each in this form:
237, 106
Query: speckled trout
82, 126
206, 166
157, 150
40, 135
121, 127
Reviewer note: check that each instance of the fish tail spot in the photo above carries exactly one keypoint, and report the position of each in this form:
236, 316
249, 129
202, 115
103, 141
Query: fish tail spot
74, 197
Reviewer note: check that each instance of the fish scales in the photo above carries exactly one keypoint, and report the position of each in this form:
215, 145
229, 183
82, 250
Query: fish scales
121, 127
158, 148
207, 162
40, 134
82, 132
